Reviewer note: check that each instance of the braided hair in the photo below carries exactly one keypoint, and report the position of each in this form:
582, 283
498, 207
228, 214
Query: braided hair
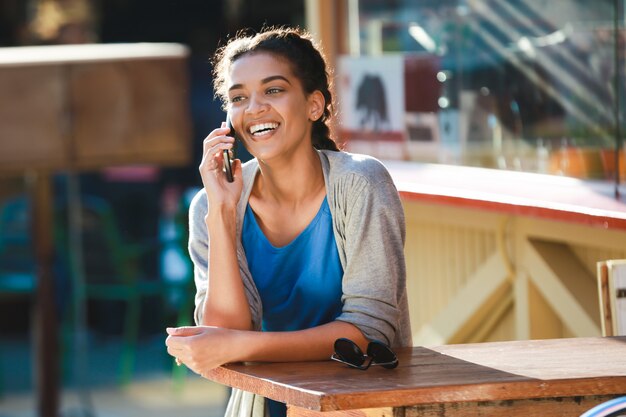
308, 65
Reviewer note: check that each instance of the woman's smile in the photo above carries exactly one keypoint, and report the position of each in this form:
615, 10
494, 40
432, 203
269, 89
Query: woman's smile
262, 130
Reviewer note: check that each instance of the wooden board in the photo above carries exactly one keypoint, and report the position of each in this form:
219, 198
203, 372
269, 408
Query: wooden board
88, 107
605, 300
33, 129
130, 112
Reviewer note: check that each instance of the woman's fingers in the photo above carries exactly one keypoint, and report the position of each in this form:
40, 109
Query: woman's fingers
185, 356
212, 156
217, 139
184, 331
201, 348
216, 145
237, 171
212, 167
177, 354
176, 344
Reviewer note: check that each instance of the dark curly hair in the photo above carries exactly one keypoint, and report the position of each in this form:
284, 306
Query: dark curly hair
297, 47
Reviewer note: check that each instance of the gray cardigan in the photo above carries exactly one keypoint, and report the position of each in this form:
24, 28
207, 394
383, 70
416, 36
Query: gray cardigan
369, 228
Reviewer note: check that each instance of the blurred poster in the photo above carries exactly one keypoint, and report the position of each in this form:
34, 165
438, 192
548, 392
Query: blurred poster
371, 105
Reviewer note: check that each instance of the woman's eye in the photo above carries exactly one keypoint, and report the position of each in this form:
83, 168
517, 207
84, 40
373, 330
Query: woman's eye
236, 99
274, 90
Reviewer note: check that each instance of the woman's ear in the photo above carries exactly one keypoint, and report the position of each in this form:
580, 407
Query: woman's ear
317, 104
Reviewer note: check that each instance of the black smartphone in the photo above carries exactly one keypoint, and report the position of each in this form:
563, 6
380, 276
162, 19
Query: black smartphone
228, 163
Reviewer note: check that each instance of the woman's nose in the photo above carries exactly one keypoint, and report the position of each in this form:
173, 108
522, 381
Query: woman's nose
256, 104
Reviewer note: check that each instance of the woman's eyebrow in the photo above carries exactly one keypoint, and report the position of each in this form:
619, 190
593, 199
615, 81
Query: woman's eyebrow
273, 78
263, 81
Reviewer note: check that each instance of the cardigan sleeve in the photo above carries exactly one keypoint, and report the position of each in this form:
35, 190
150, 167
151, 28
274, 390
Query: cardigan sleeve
374, 282
199, 250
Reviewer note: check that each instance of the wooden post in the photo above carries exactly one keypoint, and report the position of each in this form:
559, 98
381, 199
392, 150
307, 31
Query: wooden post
325, 20
46, 325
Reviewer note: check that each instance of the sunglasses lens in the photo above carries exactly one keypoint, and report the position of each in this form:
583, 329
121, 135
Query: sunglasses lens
349, 352
382, 354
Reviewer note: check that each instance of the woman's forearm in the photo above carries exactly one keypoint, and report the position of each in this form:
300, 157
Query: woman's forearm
303, 345
226, 304
203, 348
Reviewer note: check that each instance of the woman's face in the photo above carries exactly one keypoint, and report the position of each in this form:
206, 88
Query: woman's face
268, 106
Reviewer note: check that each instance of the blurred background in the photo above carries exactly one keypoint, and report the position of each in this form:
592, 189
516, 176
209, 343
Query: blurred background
99, 149
126, 200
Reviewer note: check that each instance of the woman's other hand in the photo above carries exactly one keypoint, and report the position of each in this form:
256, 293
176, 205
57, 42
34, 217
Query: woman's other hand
202, 348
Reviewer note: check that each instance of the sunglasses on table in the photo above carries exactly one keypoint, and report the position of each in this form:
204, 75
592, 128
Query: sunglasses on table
378, 353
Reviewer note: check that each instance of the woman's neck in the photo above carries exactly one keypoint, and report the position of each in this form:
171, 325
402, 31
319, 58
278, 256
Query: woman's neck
290, 182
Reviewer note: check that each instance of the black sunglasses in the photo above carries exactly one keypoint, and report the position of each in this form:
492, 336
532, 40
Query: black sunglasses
378, 353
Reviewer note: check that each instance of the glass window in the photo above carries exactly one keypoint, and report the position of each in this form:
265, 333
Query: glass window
525, 85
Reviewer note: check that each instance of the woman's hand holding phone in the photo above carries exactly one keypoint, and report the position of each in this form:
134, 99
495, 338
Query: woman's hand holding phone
215, 158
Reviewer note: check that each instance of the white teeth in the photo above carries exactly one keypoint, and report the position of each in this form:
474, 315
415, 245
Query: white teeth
262, 127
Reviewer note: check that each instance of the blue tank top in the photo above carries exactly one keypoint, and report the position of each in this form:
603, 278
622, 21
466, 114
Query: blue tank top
300, 283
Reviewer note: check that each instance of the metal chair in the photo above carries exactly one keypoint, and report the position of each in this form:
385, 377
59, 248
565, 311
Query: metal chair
612, 408
17, 269
174, 237
110, 268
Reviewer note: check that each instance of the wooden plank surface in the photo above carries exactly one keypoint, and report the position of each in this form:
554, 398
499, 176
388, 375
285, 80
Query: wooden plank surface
445, 374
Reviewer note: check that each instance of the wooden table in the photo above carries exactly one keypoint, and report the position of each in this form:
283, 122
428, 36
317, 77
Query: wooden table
556, 377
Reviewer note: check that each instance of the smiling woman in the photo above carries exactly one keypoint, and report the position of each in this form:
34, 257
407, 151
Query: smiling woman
305, 246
